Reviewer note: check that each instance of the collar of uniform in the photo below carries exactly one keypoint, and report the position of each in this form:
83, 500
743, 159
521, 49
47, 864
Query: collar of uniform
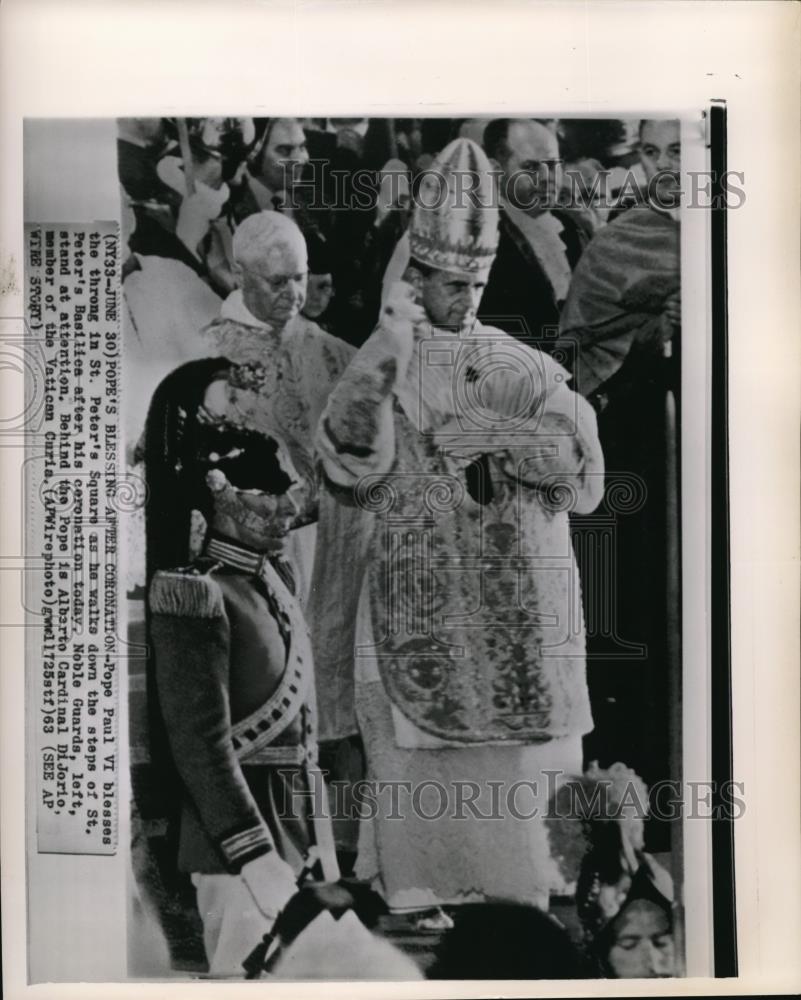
234, 554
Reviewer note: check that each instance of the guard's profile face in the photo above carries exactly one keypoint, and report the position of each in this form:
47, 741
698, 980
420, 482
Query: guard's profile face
271, 520
259, 518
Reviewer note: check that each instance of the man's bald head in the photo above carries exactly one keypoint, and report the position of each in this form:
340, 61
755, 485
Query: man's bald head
504, 136
258, 234
271, 264
527, 155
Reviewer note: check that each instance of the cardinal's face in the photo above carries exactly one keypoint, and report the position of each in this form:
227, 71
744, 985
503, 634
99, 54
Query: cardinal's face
274, 287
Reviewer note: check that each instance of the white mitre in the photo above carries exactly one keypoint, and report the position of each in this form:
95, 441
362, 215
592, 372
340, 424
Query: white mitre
454, 225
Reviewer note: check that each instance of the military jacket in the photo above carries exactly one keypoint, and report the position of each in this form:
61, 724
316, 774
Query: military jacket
234, 677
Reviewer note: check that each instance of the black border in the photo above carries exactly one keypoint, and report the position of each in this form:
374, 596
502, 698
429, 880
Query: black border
723, 875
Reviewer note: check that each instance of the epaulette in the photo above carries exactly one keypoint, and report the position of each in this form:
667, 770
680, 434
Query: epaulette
188, 593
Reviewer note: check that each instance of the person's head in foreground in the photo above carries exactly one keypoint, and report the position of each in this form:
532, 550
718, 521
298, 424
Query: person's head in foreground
660, 155
637, 941
453, 235
641, 946
241, 481
271, 267
506, 941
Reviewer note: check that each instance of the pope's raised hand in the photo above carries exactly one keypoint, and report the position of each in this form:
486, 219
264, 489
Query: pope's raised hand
197, 212
401, 317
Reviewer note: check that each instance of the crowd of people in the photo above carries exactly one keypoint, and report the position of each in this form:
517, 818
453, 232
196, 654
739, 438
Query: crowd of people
387, 379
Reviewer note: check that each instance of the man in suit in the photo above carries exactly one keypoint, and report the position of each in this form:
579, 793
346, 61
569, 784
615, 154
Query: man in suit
539, 244
275, 167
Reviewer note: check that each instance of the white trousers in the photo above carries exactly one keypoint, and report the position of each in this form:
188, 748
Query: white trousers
232, 923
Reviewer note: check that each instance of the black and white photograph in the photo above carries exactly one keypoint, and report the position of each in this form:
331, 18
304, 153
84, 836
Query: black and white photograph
401, 412
382, 555
406, 415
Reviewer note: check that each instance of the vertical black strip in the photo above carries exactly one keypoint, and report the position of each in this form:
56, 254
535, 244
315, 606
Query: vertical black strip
723, 897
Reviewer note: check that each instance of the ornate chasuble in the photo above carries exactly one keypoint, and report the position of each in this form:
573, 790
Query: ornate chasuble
473, 592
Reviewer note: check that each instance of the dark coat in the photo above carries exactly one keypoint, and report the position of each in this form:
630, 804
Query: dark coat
519, 298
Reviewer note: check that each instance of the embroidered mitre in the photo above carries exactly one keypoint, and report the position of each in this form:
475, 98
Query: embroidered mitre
454, 225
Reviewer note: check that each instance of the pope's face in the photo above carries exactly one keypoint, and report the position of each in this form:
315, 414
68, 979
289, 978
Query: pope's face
660, 155
451, 300
284, 155
643, 943
531, 168
274, 287
319, 289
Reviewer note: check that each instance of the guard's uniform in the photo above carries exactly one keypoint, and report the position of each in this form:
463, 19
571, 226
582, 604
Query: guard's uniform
235, 682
